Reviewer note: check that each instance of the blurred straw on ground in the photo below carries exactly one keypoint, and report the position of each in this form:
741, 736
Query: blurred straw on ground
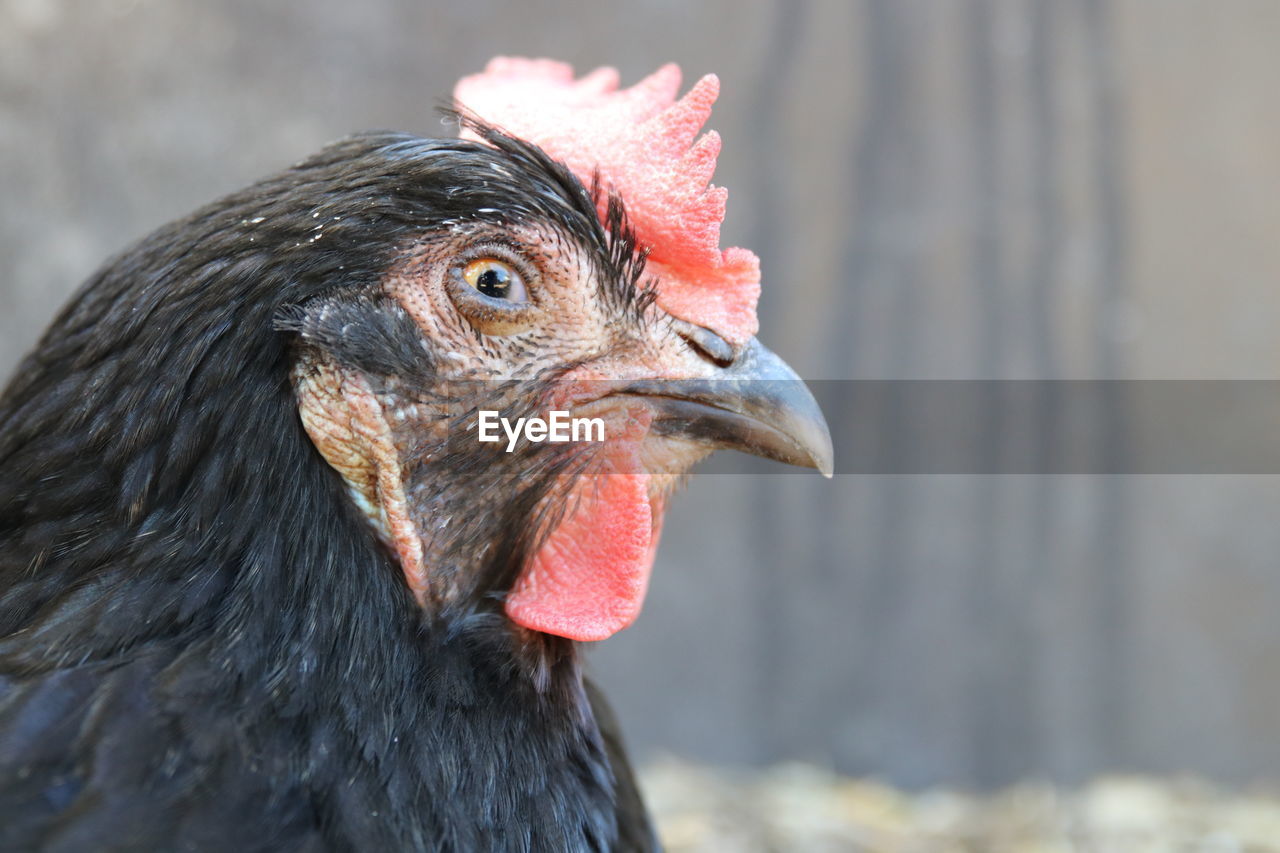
804, 808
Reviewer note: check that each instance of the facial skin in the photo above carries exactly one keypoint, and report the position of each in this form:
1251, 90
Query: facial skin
543, 306
565, 340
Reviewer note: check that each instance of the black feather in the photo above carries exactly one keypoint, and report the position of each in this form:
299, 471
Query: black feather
202, 646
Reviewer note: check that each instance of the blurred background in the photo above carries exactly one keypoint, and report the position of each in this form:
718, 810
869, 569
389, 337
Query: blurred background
958, 189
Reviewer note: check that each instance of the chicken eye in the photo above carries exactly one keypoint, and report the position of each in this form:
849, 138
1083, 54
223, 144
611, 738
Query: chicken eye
495, 279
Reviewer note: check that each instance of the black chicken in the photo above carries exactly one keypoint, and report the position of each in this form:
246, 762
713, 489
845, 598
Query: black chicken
210, 639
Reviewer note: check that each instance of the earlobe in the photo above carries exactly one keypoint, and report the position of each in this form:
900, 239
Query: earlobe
346, 423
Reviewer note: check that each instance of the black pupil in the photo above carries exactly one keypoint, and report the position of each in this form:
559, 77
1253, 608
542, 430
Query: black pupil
494, 282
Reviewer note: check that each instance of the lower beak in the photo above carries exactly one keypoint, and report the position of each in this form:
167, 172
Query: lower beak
757, 405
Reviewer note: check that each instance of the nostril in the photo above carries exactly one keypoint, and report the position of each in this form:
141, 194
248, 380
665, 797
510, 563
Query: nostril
707, 344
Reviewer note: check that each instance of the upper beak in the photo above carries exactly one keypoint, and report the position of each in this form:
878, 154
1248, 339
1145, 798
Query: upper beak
757, 404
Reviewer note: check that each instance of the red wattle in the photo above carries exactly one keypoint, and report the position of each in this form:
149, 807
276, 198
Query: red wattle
589, 579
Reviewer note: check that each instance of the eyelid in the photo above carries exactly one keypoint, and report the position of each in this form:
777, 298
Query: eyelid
500, 252
487, 315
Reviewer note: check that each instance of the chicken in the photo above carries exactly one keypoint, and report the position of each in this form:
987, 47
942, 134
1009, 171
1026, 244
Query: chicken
262, 587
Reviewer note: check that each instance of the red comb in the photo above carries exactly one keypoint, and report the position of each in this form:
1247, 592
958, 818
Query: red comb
641, 140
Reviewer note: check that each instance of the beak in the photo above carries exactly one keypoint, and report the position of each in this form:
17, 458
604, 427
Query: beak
757, 404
